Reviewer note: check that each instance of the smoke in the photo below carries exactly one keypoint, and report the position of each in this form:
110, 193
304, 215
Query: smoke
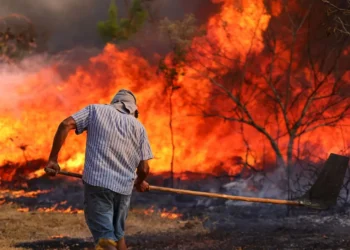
70, 23
72, 37
13, 77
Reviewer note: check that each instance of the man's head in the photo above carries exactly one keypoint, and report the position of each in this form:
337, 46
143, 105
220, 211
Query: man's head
125, 102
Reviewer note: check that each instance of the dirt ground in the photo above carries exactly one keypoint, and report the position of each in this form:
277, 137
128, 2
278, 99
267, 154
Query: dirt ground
43, 230
40, 230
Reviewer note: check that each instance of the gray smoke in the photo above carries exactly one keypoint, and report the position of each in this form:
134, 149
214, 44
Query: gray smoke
72, 23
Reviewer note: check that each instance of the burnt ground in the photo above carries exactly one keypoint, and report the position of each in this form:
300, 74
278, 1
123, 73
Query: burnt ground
205, 223
251, 236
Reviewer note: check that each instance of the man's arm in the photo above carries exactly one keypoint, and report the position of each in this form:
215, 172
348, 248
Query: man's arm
60, 136
142, 173
143, 167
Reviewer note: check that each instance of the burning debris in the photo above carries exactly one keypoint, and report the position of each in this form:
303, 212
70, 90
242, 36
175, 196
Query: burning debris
257, 94
172, 214
21, 193
54, 209
27, 108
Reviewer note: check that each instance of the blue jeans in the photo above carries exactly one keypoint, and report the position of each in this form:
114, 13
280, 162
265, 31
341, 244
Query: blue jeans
105, 212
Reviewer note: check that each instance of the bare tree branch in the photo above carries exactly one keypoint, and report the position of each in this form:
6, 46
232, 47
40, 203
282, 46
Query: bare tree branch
340, 16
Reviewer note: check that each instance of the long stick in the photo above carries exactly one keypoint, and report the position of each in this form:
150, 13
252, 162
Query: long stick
207, 194
225, 196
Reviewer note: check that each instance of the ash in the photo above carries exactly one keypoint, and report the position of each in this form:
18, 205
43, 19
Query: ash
229, 223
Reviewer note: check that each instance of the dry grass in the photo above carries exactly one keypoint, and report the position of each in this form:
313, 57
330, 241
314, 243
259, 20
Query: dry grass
26, 226
16, 227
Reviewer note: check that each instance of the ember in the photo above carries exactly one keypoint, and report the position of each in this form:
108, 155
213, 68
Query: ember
23, 209
172, 214
53, 209
57, 236
21, 193
69, 210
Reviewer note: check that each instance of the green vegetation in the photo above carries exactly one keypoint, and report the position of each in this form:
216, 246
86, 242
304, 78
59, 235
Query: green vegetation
120, 29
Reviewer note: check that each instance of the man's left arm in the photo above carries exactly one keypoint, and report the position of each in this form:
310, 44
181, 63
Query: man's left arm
61, 134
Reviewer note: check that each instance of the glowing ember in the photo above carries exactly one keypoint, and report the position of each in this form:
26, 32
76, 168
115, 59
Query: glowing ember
53, 209
149, 211
21, 193
69, 210
57, 236
23, 209
172, 214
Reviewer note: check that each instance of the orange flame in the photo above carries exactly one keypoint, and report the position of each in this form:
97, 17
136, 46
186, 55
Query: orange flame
149, 211
33, 104
59, 236
54, 209
172, 214
23, 209
21, 193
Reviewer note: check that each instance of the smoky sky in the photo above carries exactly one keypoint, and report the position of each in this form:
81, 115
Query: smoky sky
72, 23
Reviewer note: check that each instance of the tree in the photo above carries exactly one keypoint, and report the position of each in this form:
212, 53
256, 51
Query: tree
339, 12
179, 34
115, 29
288, 85
16, 41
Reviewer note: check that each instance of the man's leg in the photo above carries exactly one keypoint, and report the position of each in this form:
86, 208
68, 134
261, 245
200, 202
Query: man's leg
121, 208
98, 210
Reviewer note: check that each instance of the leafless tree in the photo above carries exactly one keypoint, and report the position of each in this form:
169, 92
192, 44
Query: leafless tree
294, 86
339, 13
17, 38
179, 33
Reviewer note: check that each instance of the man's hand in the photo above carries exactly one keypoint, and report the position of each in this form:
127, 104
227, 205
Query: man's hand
142, 171
52, 168
142, 186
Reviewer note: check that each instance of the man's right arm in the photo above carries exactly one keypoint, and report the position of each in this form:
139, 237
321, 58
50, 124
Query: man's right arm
142, 173
143, 167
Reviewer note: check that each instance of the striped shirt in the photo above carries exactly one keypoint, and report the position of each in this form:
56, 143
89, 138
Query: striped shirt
115, 145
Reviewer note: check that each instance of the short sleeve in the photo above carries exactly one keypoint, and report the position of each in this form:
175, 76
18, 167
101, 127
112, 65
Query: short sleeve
82, 119
146, 152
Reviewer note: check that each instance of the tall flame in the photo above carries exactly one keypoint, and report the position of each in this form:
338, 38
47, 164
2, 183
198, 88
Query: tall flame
33, 104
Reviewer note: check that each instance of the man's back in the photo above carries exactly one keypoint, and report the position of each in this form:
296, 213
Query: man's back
116, 143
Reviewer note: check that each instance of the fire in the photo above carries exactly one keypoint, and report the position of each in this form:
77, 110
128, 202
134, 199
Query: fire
34, 103
21, 193
23, 209
54, 209
149, 211
59, 236
172, 214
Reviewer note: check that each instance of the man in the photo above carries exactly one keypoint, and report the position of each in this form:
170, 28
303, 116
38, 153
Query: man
117, 146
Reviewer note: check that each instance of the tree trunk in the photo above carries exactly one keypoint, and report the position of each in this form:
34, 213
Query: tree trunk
171, 137
289, 169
